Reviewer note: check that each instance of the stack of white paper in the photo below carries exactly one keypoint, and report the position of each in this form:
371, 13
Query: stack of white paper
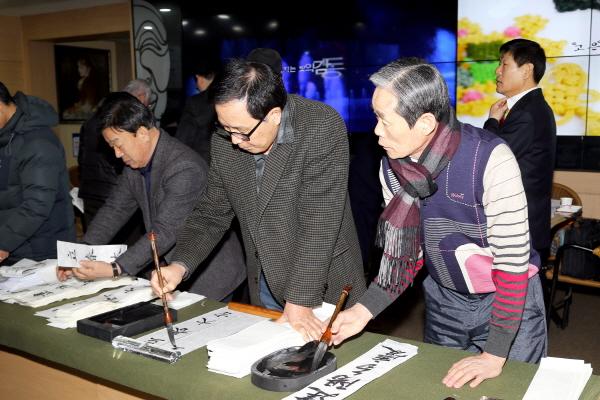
67, 315
235, 354
27, 273
41, 295
560, 379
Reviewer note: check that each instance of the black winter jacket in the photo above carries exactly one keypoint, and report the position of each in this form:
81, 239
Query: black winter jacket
35, 206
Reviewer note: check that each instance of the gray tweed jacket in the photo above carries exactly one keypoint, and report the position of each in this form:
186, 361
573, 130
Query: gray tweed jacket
178, 179
299, 229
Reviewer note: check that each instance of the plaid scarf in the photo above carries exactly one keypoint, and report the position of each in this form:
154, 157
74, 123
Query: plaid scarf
399, 228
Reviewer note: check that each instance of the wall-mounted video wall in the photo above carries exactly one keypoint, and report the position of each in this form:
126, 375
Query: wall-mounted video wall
569, 32
328, 55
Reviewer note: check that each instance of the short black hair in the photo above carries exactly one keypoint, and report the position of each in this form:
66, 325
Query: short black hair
256, 83
5, 96
525, 51
123, 111
266, 56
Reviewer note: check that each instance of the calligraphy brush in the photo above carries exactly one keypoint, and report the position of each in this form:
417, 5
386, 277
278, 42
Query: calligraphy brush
163, 296
326, 337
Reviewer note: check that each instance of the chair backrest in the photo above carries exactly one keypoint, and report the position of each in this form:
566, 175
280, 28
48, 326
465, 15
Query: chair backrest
559, 190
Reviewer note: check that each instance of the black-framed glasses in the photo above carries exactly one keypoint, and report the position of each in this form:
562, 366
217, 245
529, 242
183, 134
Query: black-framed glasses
242, 136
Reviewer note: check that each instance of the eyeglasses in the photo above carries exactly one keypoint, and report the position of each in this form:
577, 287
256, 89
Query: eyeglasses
238, 135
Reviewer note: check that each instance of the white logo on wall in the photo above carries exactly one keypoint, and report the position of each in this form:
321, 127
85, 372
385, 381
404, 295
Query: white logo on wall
327, 65
152, 62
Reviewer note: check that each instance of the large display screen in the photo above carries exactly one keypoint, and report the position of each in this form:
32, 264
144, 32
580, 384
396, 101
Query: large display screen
328, 54
569, 32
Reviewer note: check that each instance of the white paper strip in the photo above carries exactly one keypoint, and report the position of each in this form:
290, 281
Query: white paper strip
41, 295
42, 272
67, 315
351, 377
24, 267
181, 299
69, 254
196, 332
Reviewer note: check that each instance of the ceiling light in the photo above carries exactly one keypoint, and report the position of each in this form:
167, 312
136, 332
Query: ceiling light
164, 10
148, 27
273, 25
237, 28
200, 32
184, 22
223, 16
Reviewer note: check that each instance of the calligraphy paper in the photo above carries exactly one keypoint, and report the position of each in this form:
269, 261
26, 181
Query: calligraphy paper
181, 299
24, 267
196, 332
346, 380
41, 295
27, 273
559, 379
234, 355
67, 315
70, 254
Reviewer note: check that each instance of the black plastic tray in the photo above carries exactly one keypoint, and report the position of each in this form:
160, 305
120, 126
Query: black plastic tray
126, 321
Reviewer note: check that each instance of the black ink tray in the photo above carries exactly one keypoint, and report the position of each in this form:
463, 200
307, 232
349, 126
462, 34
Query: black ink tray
126, 321
266, 379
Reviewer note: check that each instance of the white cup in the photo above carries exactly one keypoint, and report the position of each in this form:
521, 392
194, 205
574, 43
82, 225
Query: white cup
566, 201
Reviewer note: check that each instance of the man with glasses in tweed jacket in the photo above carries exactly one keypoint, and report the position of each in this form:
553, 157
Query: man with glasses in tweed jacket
280, 165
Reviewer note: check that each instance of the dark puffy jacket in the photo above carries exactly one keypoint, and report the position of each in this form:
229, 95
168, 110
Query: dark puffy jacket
35, 206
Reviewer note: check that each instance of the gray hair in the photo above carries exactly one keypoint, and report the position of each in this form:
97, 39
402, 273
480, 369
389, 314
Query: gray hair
137, 88
419, 88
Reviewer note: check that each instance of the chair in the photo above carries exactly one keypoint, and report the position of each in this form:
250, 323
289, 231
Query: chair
553, 307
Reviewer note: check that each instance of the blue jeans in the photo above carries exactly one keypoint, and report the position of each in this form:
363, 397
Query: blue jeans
266, 297
461, 321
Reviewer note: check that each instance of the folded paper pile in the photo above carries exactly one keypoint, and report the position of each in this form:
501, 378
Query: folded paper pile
235, 354
559, 378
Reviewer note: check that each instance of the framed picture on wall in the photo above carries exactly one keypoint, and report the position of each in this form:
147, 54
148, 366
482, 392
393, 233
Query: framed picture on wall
82, 80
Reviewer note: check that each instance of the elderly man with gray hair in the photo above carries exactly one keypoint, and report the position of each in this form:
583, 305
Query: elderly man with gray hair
456, 205
98, 168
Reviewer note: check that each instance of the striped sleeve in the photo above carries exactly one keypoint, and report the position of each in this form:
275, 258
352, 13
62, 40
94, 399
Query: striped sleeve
505, 207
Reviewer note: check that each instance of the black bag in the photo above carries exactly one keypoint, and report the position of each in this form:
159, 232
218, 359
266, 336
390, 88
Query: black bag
580, 263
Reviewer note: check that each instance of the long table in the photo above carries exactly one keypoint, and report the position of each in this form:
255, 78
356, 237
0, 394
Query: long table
38, 361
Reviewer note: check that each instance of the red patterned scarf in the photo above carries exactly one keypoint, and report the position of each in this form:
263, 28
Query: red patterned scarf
399, 228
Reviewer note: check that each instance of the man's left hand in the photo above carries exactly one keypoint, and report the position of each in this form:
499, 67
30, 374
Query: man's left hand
90, 270
3, 255
475, 369
303, 320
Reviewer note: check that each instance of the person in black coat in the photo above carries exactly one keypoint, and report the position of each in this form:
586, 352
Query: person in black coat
526, 122
35, 206
198, 118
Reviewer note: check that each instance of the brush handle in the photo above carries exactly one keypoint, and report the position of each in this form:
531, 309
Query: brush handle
161, 282
326, 337
255, 310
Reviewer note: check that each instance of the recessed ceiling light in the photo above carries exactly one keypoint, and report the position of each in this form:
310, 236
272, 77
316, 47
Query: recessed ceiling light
237, 28
200, 32
164, 10
223, 16
184, 22
273, 25
148, 27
